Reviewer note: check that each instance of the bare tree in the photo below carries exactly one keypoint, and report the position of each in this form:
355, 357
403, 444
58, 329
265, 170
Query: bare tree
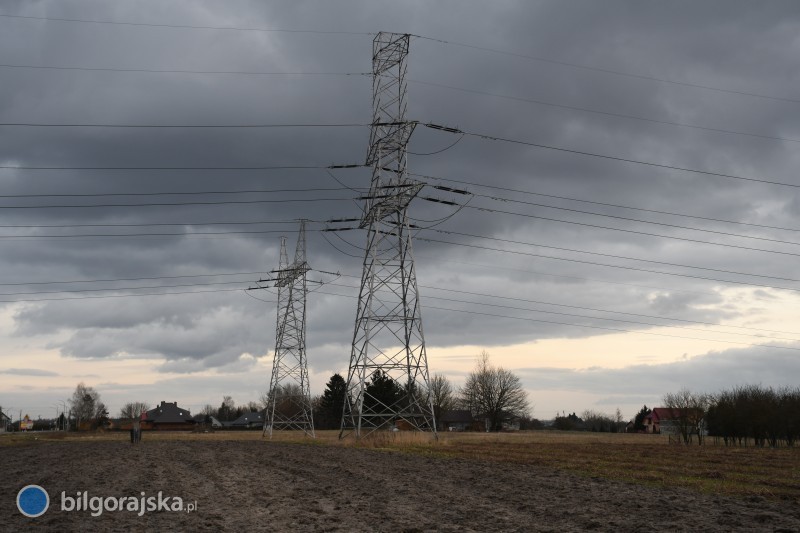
442, 395
133, 410
85, 404
494, 393
688, 409
227, 410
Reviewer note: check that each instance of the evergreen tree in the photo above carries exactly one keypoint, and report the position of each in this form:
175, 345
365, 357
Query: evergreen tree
638, 422
331, 403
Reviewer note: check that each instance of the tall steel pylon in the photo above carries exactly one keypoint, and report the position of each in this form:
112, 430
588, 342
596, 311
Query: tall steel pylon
387, 380
289, 398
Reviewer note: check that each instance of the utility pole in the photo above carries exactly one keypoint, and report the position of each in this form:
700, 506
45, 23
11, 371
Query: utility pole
289, 398
387, 380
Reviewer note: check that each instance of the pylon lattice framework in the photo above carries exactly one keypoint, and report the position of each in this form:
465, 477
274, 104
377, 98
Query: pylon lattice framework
289, 398
388, 340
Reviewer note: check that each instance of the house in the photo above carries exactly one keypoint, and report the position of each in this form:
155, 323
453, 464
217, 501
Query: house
669, 420
249, 421
168, 417
5, 422
456, 420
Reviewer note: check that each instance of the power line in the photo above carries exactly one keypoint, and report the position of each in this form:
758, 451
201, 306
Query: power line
162, 204
179, 193
126, 288
187, 26
614, 256
667, 335
583, 308
510, 200
182, 71
205, 126
120, 296
669, 213
637, 269
118, 235
588, 262
609, 71
579, 278
609, 329
609, 157
154, 224
195, 168
114, 280
685, 239
604, 113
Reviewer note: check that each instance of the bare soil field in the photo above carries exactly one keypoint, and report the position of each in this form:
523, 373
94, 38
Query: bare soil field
464, 483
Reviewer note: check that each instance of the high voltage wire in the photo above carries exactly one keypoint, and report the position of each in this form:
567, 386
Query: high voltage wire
114, 280
119, 296
608, 71
435, 308
432, 39
161, 204
586, 326
180, 126
178, 193
583, 308
186, 26
669, 213
126, 288
604, 156
151, 224
595, 263
603, 113
685, 239
420, 82
579, 278
581, 261
239, 168
118, 235
510, 200
614, 256
182, 71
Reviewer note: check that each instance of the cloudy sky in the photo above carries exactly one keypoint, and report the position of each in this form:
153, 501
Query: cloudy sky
604, 282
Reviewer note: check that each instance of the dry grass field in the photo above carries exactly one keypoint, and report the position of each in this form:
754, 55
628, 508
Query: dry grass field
527, 481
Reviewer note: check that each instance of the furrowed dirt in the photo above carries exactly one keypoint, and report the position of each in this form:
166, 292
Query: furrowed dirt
285, 486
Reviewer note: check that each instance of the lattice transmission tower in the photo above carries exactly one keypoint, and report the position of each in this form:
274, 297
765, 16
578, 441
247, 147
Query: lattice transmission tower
387, 379
289, 397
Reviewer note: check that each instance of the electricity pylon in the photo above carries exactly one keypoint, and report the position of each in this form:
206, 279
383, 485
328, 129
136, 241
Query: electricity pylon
387, 380
289, 398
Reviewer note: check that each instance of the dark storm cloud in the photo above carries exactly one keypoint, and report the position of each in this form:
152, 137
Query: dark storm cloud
740, 47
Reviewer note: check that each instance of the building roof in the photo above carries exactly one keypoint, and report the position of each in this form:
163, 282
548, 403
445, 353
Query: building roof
248, 419
169, 413
457, 416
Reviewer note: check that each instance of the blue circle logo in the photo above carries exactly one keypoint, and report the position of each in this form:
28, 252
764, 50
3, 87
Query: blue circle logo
33, 501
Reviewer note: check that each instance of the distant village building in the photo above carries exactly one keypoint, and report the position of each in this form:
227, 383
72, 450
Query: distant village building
5, 422
168, 417
456, 420
250, 420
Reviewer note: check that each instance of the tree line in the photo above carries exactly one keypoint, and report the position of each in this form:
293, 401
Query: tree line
490, 393
763, 416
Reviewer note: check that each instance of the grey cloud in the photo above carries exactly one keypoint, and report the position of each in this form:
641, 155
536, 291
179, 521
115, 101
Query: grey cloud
735, 46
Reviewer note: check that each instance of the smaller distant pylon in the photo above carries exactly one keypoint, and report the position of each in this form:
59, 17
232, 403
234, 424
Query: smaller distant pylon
289, 397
